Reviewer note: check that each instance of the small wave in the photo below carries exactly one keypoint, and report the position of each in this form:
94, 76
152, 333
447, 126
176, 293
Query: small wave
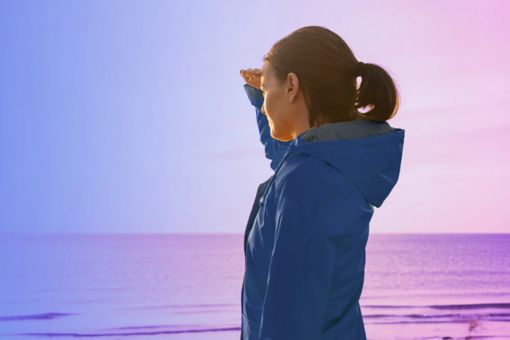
88, 335
179, 306
44, 316
149, 327
457, 306
473, 306
432, 316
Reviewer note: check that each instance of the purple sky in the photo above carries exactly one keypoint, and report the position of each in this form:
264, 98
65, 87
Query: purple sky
130, 116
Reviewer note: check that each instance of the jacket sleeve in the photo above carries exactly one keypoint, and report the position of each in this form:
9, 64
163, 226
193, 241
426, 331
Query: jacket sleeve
274, 149
303, 259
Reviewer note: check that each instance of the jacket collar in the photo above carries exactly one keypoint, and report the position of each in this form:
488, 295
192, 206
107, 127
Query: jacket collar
342, 130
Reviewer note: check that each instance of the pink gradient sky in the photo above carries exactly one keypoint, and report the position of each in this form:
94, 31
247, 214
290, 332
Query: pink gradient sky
450, 61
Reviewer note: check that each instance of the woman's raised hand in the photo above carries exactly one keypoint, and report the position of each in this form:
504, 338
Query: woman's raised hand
252, 76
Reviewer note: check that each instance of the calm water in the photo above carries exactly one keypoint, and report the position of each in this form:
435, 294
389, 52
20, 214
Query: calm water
189, 286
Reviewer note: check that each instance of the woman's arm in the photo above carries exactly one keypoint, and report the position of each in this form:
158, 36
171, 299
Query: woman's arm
274, 149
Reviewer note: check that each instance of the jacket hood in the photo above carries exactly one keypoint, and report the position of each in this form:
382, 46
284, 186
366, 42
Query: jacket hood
368, 153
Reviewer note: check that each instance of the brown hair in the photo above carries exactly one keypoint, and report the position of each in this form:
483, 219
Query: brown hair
327, 72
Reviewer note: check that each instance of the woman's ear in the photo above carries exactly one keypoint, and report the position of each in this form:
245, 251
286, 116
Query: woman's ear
292, 89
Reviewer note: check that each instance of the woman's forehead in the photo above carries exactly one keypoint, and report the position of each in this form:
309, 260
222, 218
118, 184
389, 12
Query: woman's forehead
265, 70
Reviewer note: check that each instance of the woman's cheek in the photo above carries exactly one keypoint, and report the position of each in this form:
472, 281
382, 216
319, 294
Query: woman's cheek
269, 106
266, 107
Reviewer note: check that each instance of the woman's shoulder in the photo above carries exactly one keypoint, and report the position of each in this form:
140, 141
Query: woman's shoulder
301, 165
304, 172
312, 186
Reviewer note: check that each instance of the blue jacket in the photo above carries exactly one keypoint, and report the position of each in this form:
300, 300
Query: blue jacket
305, 252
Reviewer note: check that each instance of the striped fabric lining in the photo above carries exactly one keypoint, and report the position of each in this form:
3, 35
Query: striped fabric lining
346, 130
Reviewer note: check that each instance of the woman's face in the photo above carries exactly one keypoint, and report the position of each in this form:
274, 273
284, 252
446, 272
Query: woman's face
284, 107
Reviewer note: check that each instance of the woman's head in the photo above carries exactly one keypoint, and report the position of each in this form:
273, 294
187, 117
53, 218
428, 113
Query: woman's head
284, 104
309, 78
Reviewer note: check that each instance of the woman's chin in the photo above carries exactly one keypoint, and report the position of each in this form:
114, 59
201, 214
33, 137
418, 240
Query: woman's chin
274, 134
279, 137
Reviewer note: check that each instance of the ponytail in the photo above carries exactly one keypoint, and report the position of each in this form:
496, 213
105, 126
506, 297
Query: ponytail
378, 91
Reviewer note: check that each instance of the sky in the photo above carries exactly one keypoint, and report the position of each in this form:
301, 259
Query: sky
131, 117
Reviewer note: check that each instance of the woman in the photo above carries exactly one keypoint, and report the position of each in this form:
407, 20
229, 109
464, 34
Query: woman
305, 250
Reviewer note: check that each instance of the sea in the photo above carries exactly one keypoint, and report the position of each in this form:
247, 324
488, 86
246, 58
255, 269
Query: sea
188, 286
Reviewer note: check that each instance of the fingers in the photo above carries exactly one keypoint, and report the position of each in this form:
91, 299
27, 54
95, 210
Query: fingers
251, 72
252, 76
245, 75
